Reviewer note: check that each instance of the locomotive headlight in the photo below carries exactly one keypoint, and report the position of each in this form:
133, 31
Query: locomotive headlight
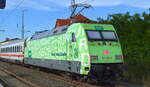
119, 57
94, 57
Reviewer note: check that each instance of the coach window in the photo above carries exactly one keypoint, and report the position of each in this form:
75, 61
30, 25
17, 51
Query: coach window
13, 49
6, 50
17, 48
3, 50
20, 48
9, 49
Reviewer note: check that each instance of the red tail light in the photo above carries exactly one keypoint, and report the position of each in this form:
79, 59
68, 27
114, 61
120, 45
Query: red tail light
109, 44
98, 43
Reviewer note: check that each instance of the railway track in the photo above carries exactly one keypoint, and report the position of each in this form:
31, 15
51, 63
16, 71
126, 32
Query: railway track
70, 81
49, 75
4, 83
13, 75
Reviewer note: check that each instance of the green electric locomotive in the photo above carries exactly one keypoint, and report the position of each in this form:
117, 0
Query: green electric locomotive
91, 50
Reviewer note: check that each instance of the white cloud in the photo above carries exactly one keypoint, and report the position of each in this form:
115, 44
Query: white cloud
134, 3
11, 4
138, 3
46, 4
36, 5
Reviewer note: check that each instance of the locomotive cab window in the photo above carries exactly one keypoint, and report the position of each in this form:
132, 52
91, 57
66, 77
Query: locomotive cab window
94, 35
109, 35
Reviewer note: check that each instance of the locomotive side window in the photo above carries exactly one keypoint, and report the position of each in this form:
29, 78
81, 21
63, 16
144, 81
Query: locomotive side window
73, 37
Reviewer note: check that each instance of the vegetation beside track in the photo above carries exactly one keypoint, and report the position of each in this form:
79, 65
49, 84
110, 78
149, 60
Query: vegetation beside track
134, 34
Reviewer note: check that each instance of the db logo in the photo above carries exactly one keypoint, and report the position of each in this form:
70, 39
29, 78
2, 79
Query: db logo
105, 52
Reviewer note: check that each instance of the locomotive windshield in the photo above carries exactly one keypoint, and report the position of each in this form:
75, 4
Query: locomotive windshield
94, 35
101, 35
109, 35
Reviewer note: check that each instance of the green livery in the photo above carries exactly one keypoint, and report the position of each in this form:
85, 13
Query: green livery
86, 44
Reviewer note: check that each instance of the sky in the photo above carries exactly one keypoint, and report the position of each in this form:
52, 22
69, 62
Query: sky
42, 14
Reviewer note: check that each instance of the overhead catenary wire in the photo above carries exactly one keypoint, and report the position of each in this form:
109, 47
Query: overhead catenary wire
87, 1
75, 6
10, 13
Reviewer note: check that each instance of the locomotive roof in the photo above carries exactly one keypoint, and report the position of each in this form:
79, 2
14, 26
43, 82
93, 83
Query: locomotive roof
48, 33
12, 42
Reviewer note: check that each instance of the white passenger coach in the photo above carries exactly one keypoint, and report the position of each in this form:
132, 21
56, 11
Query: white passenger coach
12, 51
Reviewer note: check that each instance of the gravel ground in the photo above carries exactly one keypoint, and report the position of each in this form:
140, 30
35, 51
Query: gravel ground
130, 84
31, 75
38, 78
13, 81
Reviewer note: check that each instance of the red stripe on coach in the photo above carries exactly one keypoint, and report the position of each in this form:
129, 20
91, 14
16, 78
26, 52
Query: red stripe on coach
14, 55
